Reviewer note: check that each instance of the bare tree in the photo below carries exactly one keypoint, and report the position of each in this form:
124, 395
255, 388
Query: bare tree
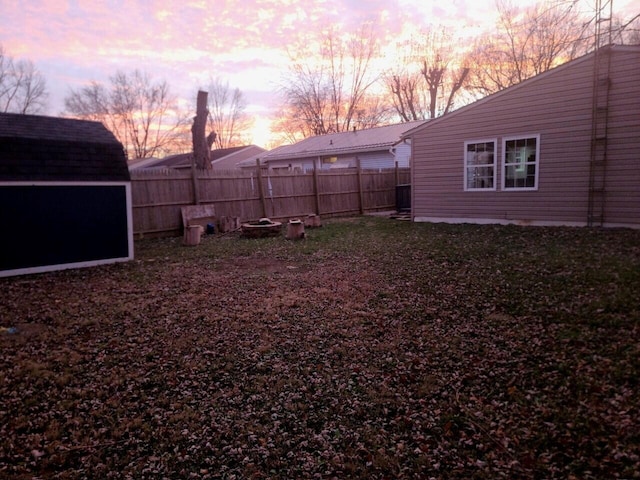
374, 111
141, 114
22, 88
289, 127
527, 42
227, 117
404, 87
330, 90
627, 31
429, 77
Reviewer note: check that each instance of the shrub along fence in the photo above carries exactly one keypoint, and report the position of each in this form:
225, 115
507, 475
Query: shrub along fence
158, 195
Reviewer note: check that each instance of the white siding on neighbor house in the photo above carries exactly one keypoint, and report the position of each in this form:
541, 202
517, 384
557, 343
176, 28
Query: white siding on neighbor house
342, 161
368, 160
307, 164
556, 106
303, 164
373, 160
403, 154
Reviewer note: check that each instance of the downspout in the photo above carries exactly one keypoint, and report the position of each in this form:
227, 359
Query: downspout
392, 151
411, 179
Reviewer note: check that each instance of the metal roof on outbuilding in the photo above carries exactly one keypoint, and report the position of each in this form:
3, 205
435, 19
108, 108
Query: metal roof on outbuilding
40, 148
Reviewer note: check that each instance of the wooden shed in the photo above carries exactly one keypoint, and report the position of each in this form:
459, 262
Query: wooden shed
65, 195
561, 148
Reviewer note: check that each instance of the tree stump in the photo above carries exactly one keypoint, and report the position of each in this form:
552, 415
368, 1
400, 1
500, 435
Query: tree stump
192, 234
201, 143
312, 221
295, 230
229, 224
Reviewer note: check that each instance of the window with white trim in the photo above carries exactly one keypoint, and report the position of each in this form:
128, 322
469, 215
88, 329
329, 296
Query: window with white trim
520, 157
480, 165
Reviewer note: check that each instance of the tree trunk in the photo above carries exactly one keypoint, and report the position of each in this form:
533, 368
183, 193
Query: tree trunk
192, 235
201, 143
295, 230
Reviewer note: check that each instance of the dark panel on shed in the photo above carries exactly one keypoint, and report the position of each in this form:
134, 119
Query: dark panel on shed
54, 225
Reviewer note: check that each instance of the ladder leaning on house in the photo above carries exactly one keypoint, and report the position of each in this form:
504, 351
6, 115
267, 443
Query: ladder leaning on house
600, 114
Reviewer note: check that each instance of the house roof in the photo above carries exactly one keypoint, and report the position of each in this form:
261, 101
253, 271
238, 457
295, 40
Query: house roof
232, 159
142, 162
39, 148
506, 91
220, 158
343, 143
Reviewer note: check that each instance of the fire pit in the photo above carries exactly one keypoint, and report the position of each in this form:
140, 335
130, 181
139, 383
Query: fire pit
264, 227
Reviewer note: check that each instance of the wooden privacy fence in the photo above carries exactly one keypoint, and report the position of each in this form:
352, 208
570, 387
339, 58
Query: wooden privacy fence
158, 195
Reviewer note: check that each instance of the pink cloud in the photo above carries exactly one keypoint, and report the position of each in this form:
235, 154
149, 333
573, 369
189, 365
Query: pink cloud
187, 41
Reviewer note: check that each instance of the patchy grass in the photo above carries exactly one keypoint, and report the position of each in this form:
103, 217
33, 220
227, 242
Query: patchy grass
373, 349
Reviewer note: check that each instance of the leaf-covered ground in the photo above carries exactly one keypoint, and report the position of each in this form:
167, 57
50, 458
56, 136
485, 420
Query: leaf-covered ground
373, 349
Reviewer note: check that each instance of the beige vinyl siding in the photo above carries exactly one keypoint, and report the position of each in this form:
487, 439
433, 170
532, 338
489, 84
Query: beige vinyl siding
622, 204
556, 106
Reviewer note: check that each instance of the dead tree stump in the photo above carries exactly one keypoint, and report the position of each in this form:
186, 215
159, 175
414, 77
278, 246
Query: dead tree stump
201, 143
295, 230
192, 234
312, 221
229, 224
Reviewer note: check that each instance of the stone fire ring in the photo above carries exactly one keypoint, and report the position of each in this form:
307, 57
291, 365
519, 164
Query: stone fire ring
262, 228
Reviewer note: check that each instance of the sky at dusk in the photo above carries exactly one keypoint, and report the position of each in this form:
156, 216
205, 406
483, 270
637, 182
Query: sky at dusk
187, 42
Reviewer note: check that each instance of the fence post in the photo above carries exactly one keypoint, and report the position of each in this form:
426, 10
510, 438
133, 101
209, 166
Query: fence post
360, 192
316, 192
194, 179
263, 200
397, 173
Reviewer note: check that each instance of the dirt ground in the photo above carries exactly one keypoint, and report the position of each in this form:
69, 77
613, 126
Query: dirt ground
373, 349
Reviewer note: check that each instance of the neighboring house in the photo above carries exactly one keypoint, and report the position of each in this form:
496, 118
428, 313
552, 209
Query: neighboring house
221, 159
547, 151
378, 147
65, 195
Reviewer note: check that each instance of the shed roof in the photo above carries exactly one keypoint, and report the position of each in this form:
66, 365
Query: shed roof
39, 148
358, 141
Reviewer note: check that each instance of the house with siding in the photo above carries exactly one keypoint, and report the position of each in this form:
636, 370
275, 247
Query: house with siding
221, 159
561, 148
372, 148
